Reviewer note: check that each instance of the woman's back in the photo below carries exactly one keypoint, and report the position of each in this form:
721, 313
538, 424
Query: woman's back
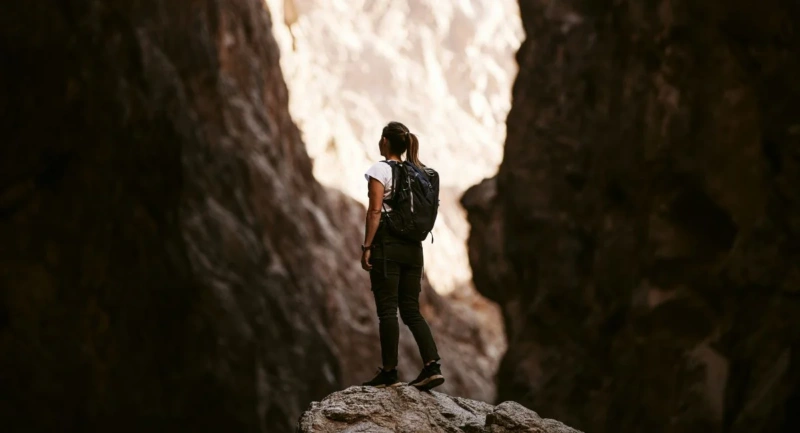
382, 171
386, 245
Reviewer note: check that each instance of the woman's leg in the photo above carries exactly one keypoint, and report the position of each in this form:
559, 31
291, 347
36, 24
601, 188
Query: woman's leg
409, 290
384, 288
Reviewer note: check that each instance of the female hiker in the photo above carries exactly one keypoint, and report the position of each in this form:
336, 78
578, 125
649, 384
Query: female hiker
395, 266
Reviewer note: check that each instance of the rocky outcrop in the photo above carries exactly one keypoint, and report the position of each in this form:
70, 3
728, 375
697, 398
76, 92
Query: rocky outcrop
168, 260
642, 232
407, 410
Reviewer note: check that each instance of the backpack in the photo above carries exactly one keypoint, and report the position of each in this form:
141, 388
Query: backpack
414, 201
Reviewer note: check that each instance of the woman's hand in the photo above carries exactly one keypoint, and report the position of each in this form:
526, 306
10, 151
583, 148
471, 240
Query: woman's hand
365, 265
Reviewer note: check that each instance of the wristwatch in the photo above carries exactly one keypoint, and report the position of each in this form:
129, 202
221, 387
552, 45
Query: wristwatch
365, 247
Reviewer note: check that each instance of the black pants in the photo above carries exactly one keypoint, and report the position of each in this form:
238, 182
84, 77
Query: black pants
399, 286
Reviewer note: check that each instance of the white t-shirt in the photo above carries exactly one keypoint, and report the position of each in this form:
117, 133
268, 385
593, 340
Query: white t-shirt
383, 173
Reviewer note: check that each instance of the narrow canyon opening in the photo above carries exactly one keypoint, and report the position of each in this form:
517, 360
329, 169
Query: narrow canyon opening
177, 255
445, 69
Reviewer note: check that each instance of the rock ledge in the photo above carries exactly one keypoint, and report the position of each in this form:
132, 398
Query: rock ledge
405, 409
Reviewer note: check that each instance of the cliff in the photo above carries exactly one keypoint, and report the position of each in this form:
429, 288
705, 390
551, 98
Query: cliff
168, 260
642, 233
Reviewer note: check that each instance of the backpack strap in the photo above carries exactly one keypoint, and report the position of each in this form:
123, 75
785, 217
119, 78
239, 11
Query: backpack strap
394, 165
386, 214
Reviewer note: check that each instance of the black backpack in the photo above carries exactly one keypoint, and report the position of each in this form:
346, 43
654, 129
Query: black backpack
414, 201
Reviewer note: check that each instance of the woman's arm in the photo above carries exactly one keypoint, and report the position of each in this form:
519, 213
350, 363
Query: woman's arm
373, 219
373, 210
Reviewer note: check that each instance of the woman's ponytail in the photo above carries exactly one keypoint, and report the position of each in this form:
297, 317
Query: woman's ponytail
401, 140
413, 150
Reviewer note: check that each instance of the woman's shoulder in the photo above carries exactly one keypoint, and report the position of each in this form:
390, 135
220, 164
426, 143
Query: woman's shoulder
380, 167
379, 170
379, 164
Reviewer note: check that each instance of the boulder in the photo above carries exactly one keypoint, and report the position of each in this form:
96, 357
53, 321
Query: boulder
405, 409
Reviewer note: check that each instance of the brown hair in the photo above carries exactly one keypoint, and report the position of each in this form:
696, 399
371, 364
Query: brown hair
402, 140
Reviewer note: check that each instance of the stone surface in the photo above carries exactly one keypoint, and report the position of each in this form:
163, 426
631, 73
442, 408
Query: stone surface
642, 233
168, 261
407, 410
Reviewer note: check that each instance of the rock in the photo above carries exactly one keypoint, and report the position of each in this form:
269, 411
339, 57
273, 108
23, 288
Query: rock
406, 409
167, 256
641, 234
161, 224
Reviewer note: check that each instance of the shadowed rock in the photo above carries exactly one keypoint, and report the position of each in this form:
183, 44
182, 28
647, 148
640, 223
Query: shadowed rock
642, 232
166, 256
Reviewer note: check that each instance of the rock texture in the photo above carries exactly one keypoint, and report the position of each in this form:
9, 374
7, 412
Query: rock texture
407, 410
642, 233
153, 264
168, 260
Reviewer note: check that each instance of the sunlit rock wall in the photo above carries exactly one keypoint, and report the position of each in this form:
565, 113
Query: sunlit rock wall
444, 68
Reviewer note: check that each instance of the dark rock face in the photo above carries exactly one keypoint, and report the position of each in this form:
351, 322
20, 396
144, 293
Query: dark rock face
642, 233
155, 222
167, 260
406, 409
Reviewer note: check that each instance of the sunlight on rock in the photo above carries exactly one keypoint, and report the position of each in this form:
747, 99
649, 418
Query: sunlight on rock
445, 69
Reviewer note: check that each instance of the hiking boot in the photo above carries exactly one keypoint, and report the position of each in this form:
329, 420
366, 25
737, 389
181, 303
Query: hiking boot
384, 379
429, 378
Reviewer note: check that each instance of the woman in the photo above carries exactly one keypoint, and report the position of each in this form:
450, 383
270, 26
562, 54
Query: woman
395, 267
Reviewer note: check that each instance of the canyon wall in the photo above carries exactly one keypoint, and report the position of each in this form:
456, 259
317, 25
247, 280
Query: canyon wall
168, 260
642, 235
